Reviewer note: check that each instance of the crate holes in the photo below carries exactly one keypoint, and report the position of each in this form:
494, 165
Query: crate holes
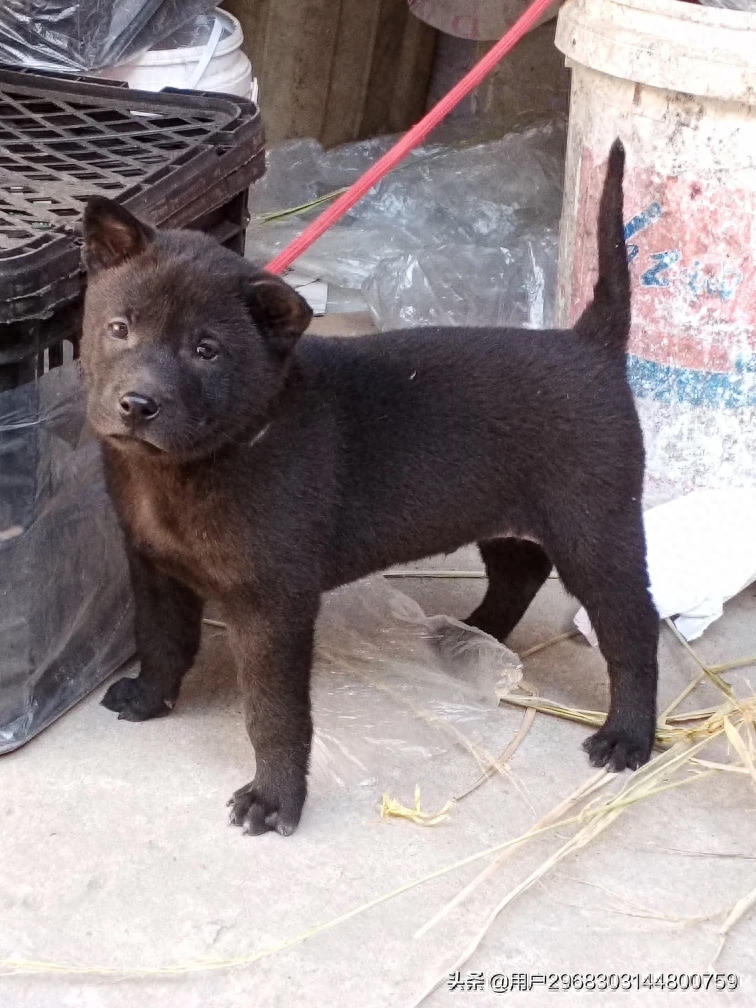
59, 147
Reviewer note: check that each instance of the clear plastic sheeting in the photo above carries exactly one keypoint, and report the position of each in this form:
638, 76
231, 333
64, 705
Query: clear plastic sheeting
197, 32
77, 37
65, 602
459, 234
468, 285
701, 552
393, 688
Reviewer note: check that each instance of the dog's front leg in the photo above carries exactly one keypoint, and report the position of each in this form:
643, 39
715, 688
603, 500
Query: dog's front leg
273, 646
168, 627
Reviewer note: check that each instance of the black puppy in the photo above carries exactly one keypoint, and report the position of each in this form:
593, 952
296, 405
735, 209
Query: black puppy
259, 470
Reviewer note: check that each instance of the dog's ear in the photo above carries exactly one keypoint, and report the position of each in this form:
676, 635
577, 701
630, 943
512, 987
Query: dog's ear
111, 234
280, 314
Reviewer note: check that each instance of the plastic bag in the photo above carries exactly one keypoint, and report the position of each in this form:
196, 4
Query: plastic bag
701, 552
393, 687
468, 285
462, 234
65, 601
90, 34
198, 32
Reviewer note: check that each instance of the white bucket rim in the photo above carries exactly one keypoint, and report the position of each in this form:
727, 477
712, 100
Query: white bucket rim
708, 52
733, 19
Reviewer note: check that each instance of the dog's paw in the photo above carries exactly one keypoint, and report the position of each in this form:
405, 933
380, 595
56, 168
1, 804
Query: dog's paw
133, 701
619, 749
258, 808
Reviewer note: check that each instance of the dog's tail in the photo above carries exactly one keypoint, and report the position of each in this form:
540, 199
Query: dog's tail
606, 320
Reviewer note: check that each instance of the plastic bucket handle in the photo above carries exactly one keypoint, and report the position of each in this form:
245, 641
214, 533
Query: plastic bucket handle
207, 54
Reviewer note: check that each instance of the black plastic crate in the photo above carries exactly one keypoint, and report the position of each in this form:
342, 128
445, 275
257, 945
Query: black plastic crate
172, 157
178, 159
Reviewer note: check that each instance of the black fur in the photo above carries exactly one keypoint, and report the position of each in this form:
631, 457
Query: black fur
267, 470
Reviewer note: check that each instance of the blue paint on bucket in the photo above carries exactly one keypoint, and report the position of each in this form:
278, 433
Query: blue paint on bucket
638, 223
722, 285
643, 220
668, 383
654, 277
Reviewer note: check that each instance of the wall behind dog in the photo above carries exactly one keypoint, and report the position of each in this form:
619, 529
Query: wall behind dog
531, 85
348, 70
337, 71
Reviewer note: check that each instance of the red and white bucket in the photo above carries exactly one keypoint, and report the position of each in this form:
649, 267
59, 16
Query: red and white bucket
677, 83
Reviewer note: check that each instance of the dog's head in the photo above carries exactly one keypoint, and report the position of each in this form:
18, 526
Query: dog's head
185, 345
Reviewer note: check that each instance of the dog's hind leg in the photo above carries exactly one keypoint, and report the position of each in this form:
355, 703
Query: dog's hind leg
611, 581
516, 569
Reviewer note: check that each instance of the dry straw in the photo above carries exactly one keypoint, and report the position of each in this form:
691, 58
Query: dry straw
392, 809
681, 737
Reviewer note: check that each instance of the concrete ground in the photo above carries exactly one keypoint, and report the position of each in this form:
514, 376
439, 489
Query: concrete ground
115, 852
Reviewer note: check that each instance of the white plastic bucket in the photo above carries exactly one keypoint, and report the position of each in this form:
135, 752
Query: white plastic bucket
677, 83
216, 65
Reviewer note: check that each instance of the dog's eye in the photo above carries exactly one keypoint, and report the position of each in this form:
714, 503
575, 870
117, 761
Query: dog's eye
207, 350
118, 329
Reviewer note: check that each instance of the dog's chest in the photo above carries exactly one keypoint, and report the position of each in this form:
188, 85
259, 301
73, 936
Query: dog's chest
154, 524
184, 534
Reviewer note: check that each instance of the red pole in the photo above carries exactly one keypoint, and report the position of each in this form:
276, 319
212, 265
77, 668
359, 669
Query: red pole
411, 139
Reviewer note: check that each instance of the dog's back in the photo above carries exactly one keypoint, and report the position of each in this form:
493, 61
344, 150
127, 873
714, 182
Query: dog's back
465, 425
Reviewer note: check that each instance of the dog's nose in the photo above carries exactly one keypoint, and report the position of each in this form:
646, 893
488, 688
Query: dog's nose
137, 408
